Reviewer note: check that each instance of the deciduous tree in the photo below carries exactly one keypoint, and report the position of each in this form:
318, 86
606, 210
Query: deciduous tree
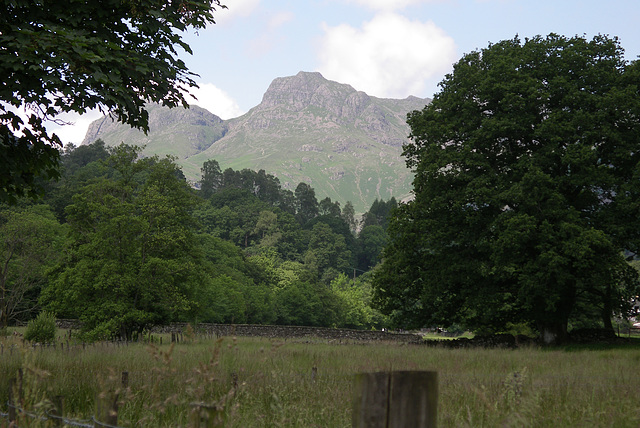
31, 240
132, 260
58, 57
527, 181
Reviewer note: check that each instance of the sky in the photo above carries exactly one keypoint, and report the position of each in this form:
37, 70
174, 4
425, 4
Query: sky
386, 48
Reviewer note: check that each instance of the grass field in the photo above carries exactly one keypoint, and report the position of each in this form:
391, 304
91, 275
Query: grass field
277, 387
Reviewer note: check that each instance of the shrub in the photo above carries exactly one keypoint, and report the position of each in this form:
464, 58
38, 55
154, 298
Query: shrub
41, 329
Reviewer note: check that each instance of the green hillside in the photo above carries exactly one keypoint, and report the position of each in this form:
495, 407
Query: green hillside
346, 144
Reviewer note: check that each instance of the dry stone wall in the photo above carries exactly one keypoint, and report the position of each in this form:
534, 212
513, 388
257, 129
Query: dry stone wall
290, 332
275, 332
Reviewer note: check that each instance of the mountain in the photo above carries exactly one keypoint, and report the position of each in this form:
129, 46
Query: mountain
346, 144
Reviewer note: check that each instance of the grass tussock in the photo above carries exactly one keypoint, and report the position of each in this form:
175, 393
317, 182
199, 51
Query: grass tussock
273, 383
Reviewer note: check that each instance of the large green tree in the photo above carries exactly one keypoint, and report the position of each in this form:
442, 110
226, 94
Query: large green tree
306, 203
31, 240
211, 178
57, 57
527, 181
132, 260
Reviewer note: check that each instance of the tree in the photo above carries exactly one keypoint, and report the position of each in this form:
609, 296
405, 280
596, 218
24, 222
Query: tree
305, 304
349, 216
306, 203
370, 243
355, 298
526, 190
234, 290
211, 178
329, 250
329, 208
58, 57
132, 261
379, 213
31, 240
232, 214
76, 158
78, 166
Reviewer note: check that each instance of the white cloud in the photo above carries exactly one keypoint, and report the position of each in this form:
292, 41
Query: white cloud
270, 38
69, 127
279, 19
215, 100
390, 4
209, 97
390, 56
76, 129
235, 9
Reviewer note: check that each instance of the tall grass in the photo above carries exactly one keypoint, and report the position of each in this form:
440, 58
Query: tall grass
271, 383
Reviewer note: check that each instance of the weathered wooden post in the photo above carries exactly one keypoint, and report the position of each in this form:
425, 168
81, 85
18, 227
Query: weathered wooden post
125, 380
20, 382
399, 399
234, 380
206, 416
57, 411
106, 410
13, 402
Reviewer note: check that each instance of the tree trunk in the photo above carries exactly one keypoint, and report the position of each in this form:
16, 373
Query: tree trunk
4, 320
607, 309
553, 333
4, 316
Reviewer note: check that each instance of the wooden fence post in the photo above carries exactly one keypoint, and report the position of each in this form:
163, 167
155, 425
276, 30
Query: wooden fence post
125, 380
106, 410
399, 399
206, 416
234, 380
20, 381
13, 403
57, 410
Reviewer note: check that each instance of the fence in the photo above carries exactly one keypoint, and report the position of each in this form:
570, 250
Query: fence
106, 410
400, 399
397, 399
66, 346
106, 415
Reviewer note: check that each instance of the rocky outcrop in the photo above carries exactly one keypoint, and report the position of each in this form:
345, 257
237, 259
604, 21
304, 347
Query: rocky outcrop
180, 132
330, 124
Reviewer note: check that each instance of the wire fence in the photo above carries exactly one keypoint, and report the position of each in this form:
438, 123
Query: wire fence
106, 410
17, 413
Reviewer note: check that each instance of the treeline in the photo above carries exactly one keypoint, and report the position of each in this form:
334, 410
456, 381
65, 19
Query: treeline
123, 242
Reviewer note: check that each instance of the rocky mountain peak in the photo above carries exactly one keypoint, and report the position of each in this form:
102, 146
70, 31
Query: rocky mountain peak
305, 89
343, 142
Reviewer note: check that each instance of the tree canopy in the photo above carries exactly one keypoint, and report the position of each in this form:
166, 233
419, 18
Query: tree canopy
58, 57
31, 243
526, 189
131, 262
122, 243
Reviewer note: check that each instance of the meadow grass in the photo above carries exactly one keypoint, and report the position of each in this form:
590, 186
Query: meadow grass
276, 385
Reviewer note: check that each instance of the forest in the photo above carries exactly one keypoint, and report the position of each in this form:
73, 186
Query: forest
122, 243
523, 218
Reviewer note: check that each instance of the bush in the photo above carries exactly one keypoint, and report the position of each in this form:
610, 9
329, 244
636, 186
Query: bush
41, 329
